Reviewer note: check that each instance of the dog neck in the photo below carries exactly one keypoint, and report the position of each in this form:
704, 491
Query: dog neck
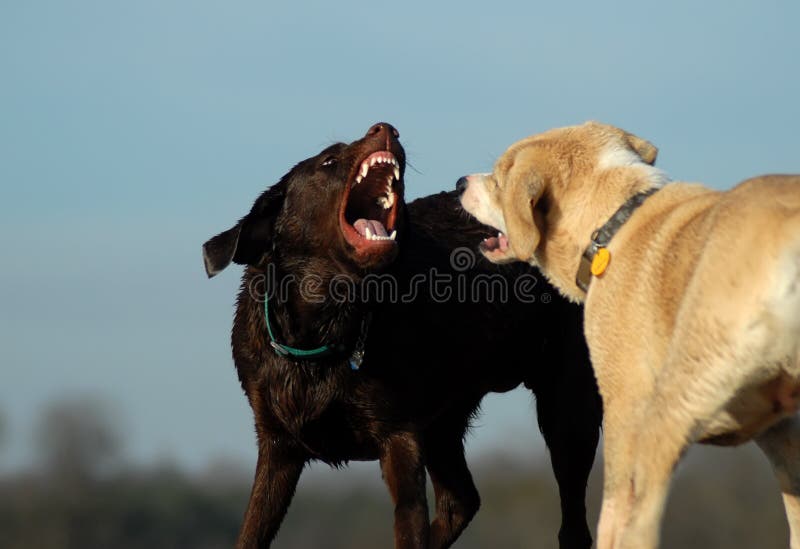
596, 256
302, 312
560, 254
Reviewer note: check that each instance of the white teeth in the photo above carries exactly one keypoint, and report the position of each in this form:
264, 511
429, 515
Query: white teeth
369, 234
387, 201
362, 173
366, 165
389, 183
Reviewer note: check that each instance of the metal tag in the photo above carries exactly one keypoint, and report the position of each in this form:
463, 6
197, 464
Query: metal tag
356, 359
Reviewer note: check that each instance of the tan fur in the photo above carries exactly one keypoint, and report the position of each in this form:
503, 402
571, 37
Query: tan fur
694, 327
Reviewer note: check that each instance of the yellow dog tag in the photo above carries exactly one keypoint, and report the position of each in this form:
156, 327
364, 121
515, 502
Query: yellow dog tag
600, 261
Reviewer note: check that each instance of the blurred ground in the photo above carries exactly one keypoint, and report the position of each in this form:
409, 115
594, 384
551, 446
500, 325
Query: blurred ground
82, 493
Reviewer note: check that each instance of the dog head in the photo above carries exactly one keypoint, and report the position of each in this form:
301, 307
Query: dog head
549, 192
343, 204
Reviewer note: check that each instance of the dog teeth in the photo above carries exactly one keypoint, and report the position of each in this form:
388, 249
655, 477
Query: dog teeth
379, 158
374, 237
387, 201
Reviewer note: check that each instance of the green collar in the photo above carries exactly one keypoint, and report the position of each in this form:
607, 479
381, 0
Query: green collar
356, 358
595, 257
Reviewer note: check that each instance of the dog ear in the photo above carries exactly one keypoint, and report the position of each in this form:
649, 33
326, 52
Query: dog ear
524, 223
220, 250
646, 150
246, 242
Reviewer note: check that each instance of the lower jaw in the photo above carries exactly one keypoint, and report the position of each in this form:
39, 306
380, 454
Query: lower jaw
383, 251
375, 253
496, 255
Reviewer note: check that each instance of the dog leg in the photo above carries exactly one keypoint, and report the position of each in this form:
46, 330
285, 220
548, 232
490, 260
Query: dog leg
656, 454
781, 444
617, 466
403, 470
641, 449
457, 499
676, 413
277, 472
571, 430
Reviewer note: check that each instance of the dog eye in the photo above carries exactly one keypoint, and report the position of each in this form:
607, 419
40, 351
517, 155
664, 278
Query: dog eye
330, 161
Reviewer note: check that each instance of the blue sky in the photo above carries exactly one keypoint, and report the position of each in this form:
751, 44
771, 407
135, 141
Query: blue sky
130, 132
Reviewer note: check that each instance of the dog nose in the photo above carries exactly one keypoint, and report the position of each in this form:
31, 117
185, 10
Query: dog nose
383, 128
384, 134
461, 184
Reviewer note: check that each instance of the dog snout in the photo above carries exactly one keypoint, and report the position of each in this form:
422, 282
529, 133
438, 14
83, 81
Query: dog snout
385, 132
461, 184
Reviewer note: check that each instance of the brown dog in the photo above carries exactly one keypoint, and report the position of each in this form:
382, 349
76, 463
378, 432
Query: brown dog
429, 355
692, 310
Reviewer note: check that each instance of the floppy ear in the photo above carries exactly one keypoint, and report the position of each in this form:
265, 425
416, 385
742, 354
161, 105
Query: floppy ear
646, 150
219, 251
524, 188
246, 242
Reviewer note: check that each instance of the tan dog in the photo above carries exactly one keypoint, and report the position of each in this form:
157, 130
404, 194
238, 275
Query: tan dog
693, 325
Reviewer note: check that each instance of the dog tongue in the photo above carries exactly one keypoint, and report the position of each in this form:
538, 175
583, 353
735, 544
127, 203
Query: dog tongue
503, 241
375, 227
499, 242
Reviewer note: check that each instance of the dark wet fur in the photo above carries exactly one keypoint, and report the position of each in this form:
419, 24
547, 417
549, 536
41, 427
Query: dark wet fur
427, 366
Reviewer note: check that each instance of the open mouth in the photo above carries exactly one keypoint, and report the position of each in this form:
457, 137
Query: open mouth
495, 243
369, 206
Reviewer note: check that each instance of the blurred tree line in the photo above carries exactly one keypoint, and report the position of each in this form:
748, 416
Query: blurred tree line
82, 494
